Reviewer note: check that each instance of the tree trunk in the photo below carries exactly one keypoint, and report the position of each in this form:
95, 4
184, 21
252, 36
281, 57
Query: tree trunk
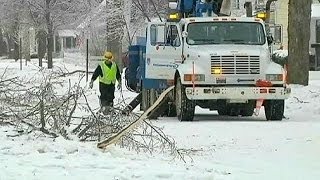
26, 43
50, 49
50, 35
114, 46
114, 40
3, 49
298, 45
42, 43
15, 40
10, 46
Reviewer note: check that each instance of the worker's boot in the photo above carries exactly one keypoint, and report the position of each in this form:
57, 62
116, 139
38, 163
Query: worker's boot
106, 108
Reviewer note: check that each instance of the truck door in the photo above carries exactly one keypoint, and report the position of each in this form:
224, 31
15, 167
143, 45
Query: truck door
163, 50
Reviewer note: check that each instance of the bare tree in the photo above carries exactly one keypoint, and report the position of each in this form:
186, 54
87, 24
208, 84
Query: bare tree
115, 28
299, 36
10, 21
50, 103
49, 15
3, 46
140, 12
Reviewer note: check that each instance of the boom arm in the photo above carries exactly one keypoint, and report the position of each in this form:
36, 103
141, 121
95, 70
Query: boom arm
199, 8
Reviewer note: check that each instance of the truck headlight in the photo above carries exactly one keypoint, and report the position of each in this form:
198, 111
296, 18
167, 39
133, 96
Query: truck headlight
197, 77
274, 77
216, 70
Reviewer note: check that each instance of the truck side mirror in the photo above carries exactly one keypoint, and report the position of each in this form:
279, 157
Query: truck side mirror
270, 39
184, 34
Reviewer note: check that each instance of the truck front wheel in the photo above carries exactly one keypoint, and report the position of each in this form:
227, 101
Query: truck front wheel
248, 109
274, 109
223, 111
184, 107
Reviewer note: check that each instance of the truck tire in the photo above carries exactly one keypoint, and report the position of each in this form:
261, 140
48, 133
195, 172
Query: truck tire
223, 112
274, 109
247, 112
248, 109
184, 107
234, 111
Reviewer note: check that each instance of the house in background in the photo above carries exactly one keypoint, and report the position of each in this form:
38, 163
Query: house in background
65, 40
315, 35
280, 17
238, 7
315, 25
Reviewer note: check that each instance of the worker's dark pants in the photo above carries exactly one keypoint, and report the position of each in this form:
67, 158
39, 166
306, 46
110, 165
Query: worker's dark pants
106, 94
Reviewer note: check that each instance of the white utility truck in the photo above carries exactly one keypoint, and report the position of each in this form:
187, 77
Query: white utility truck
220, 62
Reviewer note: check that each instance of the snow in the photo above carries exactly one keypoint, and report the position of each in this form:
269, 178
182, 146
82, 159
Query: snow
220, 148
281, 53
67, 33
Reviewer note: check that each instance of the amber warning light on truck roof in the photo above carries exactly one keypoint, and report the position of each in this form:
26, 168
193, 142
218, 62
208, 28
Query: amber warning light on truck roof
174, 17
262, 15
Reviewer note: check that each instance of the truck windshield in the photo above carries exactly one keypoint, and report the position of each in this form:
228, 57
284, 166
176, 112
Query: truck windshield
249, 33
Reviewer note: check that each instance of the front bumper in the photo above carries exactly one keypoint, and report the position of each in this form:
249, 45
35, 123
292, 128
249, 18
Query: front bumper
239, 93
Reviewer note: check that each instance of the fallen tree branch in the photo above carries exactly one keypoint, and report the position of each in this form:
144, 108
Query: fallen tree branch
73, 72
114, 138
300, 101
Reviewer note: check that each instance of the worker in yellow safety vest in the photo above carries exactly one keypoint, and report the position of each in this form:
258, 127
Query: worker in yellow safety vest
108, 73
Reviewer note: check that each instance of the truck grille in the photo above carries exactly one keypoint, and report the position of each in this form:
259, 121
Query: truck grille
235, 64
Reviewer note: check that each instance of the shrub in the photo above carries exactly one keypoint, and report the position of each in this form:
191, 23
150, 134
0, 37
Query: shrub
280, 57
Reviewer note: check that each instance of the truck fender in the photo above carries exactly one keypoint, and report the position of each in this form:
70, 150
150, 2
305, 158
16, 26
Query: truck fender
188, 69
176, 75
274, 68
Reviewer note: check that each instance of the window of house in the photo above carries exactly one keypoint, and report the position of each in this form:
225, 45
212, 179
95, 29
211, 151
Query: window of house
318, 31
236, 4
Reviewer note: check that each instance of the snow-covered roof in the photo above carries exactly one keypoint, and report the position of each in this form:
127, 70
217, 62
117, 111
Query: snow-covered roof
67, 33
315, 10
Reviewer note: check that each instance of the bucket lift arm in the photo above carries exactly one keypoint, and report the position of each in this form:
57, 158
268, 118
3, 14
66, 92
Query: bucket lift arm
199, 8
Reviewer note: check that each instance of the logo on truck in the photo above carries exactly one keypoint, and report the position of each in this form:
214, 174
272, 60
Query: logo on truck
172, 65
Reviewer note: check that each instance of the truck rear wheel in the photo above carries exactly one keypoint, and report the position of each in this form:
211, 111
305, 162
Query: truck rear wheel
274, 109
184, 107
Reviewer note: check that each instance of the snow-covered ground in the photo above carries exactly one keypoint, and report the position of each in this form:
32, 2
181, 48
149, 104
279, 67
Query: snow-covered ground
223, 148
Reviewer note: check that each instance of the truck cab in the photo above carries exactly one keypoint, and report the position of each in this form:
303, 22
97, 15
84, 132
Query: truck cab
220, 63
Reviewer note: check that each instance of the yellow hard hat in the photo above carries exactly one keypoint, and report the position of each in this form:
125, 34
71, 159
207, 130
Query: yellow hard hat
108, 55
